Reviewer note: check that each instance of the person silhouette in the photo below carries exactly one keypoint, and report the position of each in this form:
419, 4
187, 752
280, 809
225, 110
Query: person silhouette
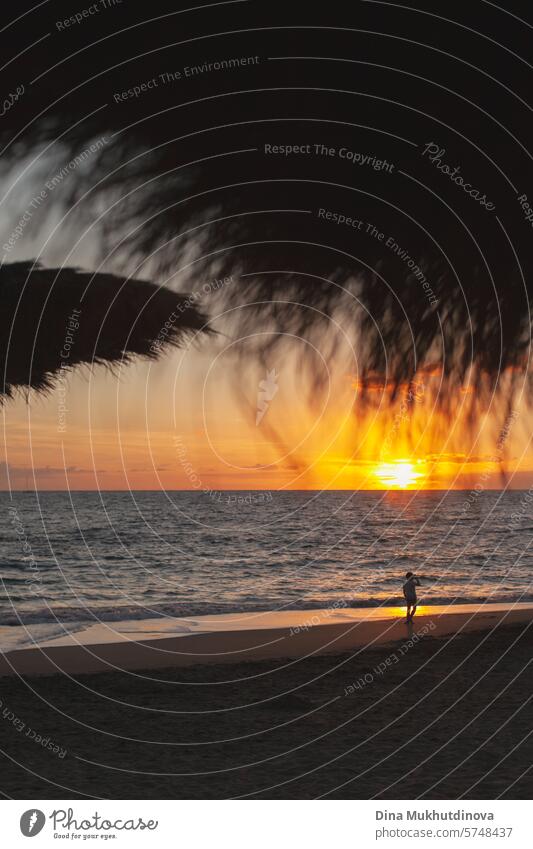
409, 591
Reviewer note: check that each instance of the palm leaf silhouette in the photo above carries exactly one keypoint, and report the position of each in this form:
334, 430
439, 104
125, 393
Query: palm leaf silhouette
189, 177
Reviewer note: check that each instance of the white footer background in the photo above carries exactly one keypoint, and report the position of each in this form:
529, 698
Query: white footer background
258, 824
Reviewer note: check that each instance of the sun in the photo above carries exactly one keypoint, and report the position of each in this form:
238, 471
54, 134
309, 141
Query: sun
400, 474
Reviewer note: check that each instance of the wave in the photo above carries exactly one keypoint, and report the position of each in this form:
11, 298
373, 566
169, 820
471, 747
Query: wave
178, 610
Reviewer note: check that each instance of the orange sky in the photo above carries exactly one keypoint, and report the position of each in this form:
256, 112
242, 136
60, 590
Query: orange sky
183, 424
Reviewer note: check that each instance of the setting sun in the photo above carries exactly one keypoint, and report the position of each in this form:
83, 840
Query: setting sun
399, 474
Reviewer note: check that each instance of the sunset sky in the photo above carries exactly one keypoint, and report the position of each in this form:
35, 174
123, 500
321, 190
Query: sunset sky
189, 421
183, 423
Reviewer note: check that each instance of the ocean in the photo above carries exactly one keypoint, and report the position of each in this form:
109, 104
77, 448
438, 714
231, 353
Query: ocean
69, 559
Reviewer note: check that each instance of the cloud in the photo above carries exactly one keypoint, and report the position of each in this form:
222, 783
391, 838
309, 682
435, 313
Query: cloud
13, 475
461, 459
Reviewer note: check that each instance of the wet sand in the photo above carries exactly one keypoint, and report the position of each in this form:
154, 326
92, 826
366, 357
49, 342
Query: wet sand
438, 718
242, 637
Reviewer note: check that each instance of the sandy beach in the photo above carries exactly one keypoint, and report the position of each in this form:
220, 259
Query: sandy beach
233, 638
439, 712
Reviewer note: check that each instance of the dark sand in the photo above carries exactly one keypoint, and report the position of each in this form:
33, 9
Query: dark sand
451, 719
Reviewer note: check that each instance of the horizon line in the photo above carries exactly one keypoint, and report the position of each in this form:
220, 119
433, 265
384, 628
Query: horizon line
278, 491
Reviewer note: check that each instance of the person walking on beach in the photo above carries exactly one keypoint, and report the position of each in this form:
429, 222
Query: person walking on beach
409, 591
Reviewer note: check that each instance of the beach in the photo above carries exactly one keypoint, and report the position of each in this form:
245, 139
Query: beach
161, 643
435, 712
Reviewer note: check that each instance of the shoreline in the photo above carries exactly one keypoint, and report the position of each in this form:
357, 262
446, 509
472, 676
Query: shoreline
134, 645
